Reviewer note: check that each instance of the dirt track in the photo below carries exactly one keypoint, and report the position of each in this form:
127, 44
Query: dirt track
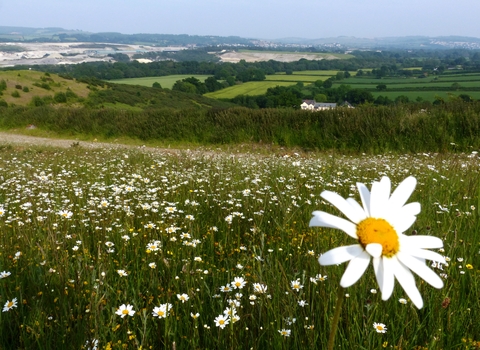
17, 139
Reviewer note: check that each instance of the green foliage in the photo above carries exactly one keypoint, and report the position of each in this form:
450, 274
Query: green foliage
3, 103
366, 129
60, 97
37, 101
15, 94
43, 85
156, 85
26, 89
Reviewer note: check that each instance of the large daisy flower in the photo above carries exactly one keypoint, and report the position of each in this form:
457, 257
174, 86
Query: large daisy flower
378, 227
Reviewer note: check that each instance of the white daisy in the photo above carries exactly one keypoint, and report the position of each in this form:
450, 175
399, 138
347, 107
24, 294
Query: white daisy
379, 227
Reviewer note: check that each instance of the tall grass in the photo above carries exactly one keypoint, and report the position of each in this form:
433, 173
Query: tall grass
70, 219
452, 126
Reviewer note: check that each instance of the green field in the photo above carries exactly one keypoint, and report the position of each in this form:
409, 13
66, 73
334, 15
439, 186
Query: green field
428, 84
131, 249
426, 95
250, 88
165, 81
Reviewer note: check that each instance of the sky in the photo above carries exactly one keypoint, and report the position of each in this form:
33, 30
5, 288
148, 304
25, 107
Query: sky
263, 19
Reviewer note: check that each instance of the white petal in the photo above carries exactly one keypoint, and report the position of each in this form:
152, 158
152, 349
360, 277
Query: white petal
413, 208
430, 242
421, 270
378, 268
402, 193
357, 207
388, 278
422, 254
323, 219
355, 269
407, 281
374, 249
365, 197
379, 197
340, 254
402, 223
350, 212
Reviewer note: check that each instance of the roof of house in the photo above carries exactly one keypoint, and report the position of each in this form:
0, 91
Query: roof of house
322, 104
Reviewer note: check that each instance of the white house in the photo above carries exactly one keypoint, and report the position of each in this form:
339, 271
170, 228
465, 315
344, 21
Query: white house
311, 105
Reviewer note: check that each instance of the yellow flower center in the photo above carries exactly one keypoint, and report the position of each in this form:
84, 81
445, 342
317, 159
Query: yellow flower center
221, 322
10, 304
160, 313
125, 312
379, 231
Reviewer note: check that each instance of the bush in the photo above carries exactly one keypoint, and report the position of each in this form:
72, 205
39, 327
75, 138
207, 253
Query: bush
16, 94
26, 89
37, 101
60, 97
3, 103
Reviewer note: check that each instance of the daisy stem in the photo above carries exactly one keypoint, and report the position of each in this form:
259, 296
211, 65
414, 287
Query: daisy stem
336, 317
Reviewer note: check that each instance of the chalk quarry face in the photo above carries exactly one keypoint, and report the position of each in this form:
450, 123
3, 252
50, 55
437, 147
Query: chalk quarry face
69, 53
74, 53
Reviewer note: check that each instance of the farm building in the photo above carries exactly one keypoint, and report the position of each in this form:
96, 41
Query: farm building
316, 106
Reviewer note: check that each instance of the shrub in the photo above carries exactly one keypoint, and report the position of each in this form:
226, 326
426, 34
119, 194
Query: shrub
37, 101
26, 89
60, 97
16, 94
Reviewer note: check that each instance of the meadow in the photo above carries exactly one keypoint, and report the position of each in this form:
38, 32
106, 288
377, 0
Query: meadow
166, 82
204, 249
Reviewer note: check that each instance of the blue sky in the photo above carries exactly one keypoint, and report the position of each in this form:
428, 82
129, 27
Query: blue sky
267, 19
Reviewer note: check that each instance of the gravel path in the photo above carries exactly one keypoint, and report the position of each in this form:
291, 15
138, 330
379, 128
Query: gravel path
17, 139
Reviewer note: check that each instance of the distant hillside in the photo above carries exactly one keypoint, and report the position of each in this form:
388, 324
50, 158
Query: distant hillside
33, 88
23, 34
406, 42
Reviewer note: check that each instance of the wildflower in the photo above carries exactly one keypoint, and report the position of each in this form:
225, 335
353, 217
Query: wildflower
198, 259
65, 214
194, 316
154, 246
152, 265
10, 305
4, 274
402, 301
296, 285
302, 303
125, 310
162, 311
260, 288
380, 327
468, 266
321, 278
183, 297
225, 289
379, 227
238, 282
221, 321
373, 291
285, 332
122, 273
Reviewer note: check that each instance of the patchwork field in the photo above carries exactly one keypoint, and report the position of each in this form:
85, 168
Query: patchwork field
166, 81
202, 249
